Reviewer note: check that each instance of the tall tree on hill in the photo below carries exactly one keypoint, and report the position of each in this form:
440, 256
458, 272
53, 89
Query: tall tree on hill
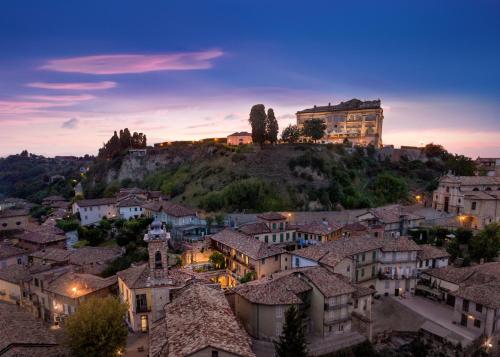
258, 123
292, 341
272, 128
291, 134
314, 128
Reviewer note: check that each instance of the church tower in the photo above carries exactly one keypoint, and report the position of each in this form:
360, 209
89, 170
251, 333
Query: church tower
157, 239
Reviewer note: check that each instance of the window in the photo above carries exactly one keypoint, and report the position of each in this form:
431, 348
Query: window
287, 236
274, 237
279, 311
4, 224
473, 205
274, 225
158, 263
263, 261
362, 272
276, 257
281, 225
374, 255
479, 308
215, 353
363, 257
447, 189
297, 262
18, 223
477, 323
266, 239
373, 270
36, 282
19, 261
281, 237
465, 305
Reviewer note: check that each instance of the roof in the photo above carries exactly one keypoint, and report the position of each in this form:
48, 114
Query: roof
88, 255
241, 133
254, 228
249, 246
318, 228
355, 227
96, 202
282, 290
485, 294
271, 216
17, 273
131, 201
330, 284
353, 104
332, 252
471, 180
170, 208
40, 237
476, 274
431, 252
393, 214
399, 244
53, 254
198, 317
8, 250
18, 328
138, 277
85, 284
13, 213
482, 195
54, 198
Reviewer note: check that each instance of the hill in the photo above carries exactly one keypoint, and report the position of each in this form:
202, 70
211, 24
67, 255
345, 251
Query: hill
215, 177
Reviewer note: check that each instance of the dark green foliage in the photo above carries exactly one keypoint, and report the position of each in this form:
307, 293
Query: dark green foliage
272, 128
257, 121
314, 129
117, 144
248, 277
247, 194
486, 244
39, 212
292, 341
389, 188
132, 231
93, 235
218, 260
133, 254
67, 224
291, 134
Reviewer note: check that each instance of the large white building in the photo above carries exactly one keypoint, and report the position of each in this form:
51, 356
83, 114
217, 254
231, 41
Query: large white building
93, 210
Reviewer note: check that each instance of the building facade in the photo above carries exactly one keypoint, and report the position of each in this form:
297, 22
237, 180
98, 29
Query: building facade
92, 211
239, 138
359, 122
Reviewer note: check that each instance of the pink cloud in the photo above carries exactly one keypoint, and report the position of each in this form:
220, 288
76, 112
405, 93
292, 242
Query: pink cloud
130, 63
61, 98
74, 86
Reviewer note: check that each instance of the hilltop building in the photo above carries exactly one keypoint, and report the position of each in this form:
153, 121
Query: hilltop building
488, 166
239, 138
358, 121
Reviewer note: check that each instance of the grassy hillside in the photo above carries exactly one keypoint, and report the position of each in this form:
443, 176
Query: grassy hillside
301, 177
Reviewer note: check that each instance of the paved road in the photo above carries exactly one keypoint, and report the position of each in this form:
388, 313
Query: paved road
440, 314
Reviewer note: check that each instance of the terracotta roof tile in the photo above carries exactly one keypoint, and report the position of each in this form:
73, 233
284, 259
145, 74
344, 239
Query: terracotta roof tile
96, 202
249, 246
431, 252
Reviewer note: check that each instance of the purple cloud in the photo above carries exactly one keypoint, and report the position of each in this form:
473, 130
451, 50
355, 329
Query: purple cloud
131, 63
70, 124
74, 86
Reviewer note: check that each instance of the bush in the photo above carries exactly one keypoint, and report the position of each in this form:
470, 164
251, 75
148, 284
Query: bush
67, 224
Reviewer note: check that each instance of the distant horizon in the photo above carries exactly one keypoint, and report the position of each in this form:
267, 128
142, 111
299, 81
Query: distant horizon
74, 72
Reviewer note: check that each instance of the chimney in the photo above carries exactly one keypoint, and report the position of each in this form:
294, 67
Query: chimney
329, 104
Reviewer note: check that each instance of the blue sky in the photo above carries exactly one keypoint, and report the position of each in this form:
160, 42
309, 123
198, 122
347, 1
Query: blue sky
192, 69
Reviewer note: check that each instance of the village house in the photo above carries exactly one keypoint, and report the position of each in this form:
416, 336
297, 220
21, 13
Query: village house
198, 322
55, 202
317, 232
355, 230
24, 335
477, 308
488, 166
42, 238
171, 213
359, 122
92, 211
271, 228
449, 196
386, 264
13, 219
55, 294
146, 288
430, 257
130, 207
11, 279
326, 300
239, 138
11, 255
394, 219
480, 208
246, 256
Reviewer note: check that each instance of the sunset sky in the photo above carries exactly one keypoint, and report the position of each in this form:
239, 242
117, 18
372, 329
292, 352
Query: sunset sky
71, 72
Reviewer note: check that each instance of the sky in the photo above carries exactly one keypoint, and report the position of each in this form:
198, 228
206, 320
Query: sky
72, 71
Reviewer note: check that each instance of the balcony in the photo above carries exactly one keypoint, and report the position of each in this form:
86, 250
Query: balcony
387, 276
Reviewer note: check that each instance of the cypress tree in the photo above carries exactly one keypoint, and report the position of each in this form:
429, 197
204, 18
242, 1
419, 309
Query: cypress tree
257, 121
272, 128
292, 341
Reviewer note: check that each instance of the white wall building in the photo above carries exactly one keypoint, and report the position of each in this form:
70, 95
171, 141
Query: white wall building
92, 211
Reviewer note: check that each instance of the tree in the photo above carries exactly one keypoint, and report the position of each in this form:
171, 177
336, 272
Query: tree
218, 260
389, 188
292, 341
272, 128
291, 134
433, 150
314, 128
97, 328
486, 244
257, 121
209, 221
